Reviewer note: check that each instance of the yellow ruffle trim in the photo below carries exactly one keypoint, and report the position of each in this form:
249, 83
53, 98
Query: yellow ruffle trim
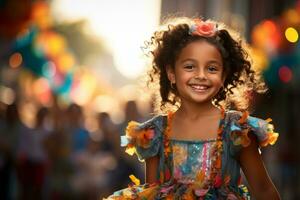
272, 136
242, 138
135, 180
137, 137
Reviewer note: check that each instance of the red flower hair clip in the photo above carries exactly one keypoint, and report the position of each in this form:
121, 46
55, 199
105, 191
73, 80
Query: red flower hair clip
203, 28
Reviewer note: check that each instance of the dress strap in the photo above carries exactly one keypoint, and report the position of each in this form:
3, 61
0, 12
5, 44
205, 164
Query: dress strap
216, 167
166, 170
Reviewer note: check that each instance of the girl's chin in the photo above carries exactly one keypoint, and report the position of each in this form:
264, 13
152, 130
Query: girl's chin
202, 100
198, 96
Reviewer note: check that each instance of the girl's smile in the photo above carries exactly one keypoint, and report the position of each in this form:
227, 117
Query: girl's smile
199, 88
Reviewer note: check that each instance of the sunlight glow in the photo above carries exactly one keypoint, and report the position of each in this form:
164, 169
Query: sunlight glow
123, 25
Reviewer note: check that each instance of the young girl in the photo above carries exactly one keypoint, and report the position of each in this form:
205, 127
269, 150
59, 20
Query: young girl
197, 151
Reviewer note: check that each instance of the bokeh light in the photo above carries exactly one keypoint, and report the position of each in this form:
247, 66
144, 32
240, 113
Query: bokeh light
291, 16
41, 89
7, 95
65, 62
15, 60
41, 14
51, 43
49, 69
266, 36
291, 34
270, 26
285, 74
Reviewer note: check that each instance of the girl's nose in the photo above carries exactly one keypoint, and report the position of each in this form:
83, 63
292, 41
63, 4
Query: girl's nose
201, 74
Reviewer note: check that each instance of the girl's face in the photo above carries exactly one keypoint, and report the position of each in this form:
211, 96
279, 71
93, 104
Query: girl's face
198, 72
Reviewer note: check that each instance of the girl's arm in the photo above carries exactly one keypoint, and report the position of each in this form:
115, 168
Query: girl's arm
151, 169
252, 165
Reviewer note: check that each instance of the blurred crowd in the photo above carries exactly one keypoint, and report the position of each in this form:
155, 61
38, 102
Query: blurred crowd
58, 158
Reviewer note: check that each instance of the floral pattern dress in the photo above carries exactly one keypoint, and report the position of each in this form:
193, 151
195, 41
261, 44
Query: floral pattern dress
203, 169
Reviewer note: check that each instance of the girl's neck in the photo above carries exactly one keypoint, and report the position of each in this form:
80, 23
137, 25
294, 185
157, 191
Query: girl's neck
195, 111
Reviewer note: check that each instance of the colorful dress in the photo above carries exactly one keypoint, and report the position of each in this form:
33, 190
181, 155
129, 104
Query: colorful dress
204, 169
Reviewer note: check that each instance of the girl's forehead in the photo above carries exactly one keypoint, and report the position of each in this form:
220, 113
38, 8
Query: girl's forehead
200, 50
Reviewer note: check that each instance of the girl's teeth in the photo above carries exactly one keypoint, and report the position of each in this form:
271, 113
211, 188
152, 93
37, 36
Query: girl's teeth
199, 87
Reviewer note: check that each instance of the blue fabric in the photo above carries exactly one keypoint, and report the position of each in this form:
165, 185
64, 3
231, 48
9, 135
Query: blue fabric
80, 139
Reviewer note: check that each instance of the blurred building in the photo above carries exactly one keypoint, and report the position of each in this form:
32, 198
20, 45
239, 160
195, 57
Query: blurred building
241, 14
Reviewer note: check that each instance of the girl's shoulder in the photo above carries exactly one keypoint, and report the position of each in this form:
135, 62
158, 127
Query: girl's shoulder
239, 125
144, 139
157, 121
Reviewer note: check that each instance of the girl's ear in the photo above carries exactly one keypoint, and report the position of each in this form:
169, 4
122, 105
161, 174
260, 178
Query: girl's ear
171, 74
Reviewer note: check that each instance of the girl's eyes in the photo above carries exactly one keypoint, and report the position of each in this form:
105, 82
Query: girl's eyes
189, 67
212, 69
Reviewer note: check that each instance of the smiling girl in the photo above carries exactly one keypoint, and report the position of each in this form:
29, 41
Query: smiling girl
198, 150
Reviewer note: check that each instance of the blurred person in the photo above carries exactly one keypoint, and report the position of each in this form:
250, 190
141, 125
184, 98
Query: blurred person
60, 169
79, 135
197, 146
59, 117
10, 133
33, 159
5, 156
109, 133
289, 170
72, 139
110, 142
92, 177
131, 112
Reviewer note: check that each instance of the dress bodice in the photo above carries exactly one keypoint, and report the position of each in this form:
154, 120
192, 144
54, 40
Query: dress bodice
192, 157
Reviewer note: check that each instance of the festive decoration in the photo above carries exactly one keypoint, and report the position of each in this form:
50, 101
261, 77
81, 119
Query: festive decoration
41, 51
276, 49
203, 28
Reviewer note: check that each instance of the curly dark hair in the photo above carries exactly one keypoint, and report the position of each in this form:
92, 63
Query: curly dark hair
240, 79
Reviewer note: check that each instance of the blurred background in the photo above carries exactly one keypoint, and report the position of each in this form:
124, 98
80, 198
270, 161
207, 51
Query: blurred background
72, 75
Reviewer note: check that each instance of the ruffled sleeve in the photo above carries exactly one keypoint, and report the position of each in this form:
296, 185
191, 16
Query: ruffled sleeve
143, 139
241, 125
